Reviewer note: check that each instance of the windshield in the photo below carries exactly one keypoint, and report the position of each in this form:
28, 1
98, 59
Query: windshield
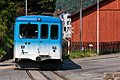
28, 31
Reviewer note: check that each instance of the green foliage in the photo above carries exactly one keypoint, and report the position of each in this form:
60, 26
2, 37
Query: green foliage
79, 54
72, 6
47, 5
68, 5
35, 7
2, 52
7, 13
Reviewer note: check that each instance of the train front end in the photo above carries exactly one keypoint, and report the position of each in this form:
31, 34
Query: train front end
37, 38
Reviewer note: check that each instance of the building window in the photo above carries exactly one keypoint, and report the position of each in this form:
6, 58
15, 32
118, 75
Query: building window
44, 31
68, 23
64, 28
54, 32
28, 31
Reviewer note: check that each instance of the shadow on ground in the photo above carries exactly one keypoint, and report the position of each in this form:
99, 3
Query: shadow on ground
67, 64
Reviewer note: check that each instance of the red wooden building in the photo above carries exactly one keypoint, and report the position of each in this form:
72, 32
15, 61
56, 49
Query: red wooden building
109, 28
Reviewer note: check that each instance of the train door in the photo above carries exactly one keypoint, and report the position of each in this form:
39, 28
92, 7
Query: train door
55, 40
44, 40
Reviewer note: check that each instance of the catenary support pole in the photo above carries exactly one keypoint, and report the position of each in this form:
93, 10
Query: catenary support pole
80, 24
26, 7
98, 27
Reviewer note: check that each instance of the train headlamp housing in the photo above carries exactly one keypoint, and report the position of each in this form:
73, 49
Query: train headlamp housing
54, 47
22, 47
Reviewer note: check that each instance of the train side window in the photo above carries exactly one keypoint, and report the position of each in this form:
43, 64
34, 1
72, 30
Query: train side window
28, 31
54, 32
44, 31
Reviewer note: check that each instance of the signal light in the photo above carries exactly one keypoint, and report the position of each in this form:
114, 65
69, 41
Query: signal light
38, 19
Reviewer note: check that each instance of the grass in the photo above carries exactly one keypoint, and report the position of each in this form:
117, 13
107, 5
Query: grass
82, 54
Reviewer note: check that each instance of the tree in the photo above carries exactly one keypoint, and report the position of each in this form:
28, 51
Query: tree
47, 6
6, 18
70, 6
36, 7
73, 6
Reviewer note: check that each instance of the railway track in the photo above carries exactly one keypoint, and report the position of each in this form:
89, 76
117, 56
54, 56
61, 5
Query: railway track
63, 77
29, 74
44, 75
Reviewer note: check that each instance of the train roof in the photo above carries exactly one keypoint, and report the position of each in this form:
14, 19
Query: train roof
38, 18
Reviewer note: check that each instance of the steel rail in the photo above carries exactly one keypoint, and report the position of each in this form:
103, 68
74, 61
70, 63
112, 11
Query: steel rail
29, 74
41, 72
55, 73
61, 76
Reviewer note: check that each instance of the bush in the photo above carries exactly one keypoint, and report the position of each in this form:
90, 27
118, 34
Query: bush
2, 52
82, 54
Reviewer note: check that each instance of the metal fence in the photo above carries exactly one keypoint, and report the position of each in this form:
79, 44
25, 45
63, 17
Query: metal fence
104, 47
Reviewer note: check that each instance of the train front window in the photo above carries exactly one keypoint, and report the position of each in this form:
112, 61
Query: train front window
54, 32
28, 31
44, 31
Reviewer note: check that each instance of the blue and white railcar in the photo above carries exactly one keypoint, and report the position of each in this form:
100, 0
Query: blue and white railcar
38, 38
